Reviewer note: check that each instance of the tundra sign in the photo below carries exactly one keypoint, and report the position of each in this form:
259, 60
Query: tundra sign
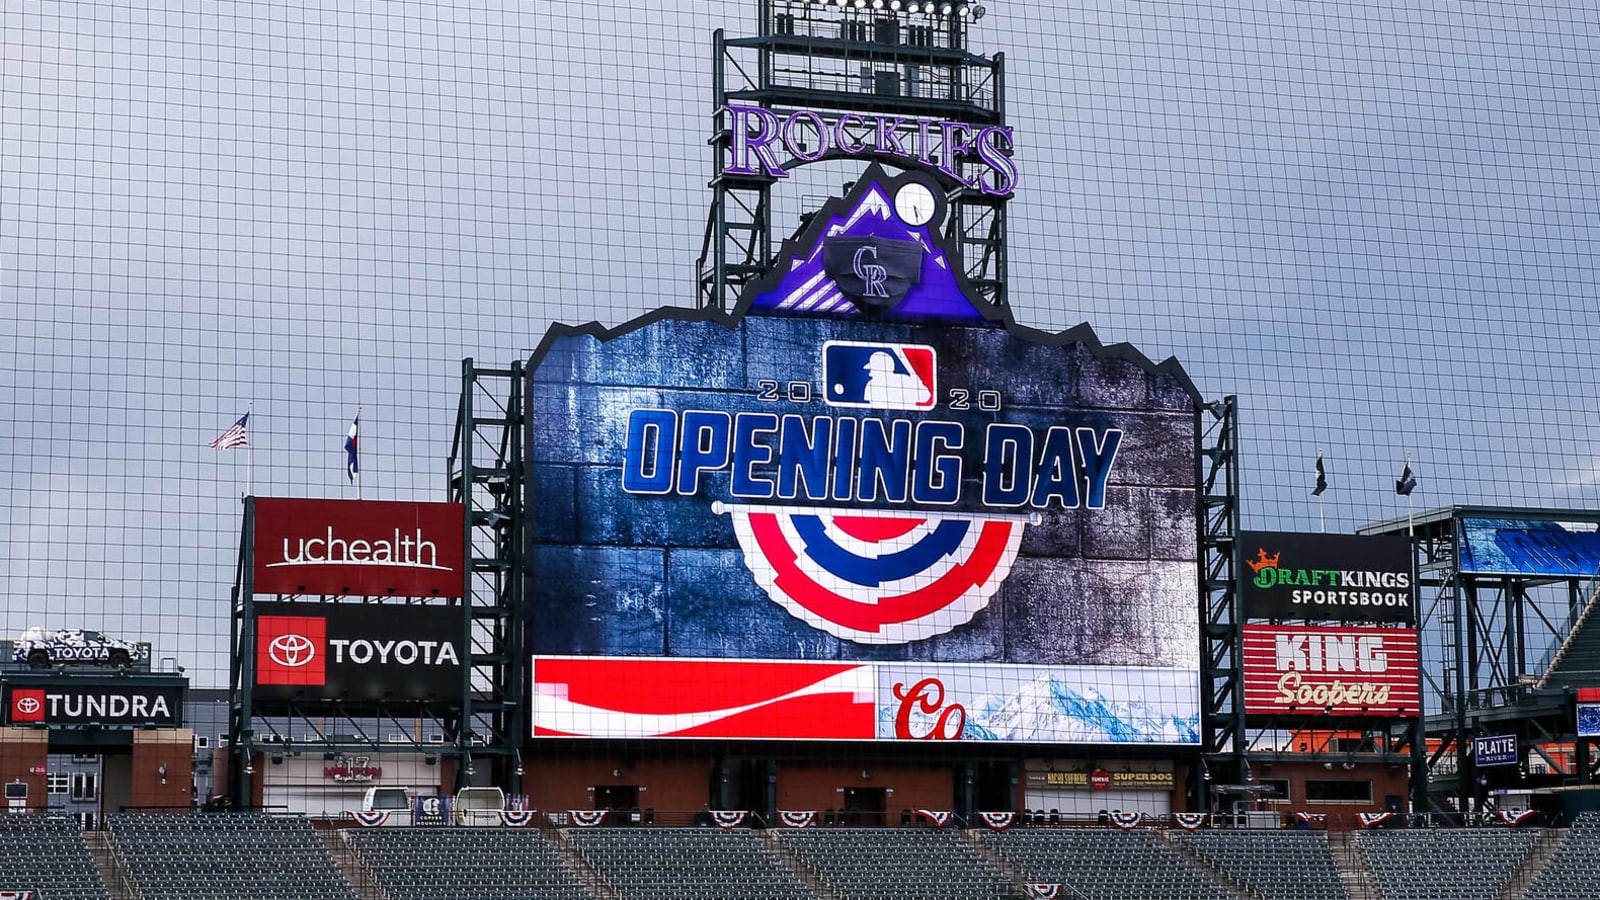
1314, 671
95, 702
357, 652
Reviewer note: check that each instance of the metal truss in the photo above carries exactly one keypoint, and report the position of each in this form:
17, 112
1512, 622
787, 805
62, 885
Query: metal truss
485, 474
844, 59
1221, 664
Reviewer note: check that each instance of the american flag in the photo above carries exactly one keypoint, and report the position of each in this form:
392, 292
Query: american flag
235, 436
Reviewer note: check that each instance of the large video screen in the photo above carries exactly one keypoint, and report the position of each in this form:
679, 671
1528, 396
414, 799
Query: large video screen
775, 525
1529, 547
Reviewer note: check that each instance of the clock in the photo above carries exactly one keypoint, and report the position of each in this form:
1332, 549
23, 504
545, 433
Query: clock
914, 204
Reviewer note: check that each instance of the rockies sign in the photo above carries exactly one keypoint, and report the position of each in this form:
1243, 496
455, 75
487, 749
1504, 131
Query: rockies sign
364, 653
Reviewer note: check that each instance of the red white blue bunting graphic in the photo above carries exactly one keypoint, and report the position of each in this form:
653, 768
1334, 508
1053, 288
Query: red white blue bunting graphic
797, 818
587, 818
729, 818
1127, 821
938, 818
998, 821
1189, 821
1373, 819
1041, 890
1315, 820
876, 577
364, 818
1513, 818
516, 818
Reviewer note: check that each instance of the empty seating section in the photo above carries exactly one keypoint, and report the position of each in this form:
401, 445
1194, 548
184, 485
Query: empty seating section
47, 856
1278, 865
1106, 864
1573, 873
465, 864
227, 856
686, 864
869, 863
1445, 863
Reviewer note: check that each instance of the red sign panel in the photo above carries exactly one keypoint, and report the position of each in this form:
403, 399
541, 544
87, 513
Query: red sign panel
292, 650
27, 705
1311, 670
358, 547
583, 697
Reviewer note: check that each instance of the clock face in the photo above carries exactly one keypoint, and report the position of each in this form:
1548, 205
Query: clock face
914, 204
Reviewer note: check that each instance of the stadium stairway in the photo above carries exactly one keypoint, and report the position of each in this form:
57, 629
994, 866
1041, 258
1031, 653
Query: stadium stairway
797, 867
1360, 882
1551, 840
113, 871
1577, 661
1224, 878
589, 876
344, 857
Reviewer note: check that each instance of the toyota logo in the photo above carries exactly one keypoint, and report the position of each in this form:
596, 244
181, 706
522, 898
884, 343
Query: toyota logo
27, 706
291, 650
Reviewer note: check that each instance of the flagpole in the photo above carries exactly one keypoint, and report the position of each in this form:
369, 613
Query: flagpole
249, 454
358, 450
1322, 513
1410, 530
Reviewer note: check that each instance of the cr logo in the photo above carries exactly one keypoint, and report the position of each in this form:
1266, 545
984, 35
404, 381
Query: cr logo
928, 696
291, 650
873, 276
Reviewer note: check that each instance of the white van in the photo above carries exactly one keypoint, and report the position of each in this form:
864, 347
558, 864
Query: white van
479, 805
396, 801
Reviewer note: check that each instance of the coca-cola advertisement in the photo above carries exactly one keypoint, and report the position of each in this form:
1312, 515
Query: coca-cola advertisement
369, 548
1317, 671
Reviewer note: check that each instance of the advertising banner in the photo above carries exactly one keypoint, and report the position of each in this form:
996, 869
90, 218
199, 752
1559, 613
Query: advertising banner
1588, 709
374, 548
1529, 547
1314, 671
1342, 577
98, 702
865, 467
1104, 780
362, 652
651, 697
1495, 750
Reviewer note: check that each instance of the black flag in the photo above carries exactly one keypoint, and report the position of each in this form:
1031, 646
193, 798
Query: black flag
1407, 482
1322, 479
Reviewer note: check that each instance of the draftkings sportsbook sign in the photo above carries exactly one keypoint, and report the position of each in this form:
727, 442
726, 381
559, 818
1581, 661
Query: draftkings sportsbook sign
1326, 577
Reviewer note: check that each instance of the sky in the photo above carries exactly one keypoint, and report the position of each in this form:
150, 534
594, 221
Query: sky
1373, 223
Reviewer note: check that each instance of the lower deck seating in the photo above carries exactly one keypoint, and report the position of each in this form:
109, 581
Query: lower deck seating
1106, 864
47, 855
227, 856
687, 864
465, 864
871, 863
1573, 873
1445, 863
1282, 865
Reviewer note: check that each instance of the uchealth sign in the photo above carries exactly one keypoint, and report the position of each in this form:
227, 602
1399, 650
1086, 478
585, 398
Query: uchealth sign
94, 702
358, 548
1342, 577
1313, 671
361, 652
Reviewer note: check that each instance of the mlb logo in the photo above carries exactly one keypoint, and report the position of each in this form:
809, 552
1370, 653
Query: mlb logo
879, 376
27, 705
292, 650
